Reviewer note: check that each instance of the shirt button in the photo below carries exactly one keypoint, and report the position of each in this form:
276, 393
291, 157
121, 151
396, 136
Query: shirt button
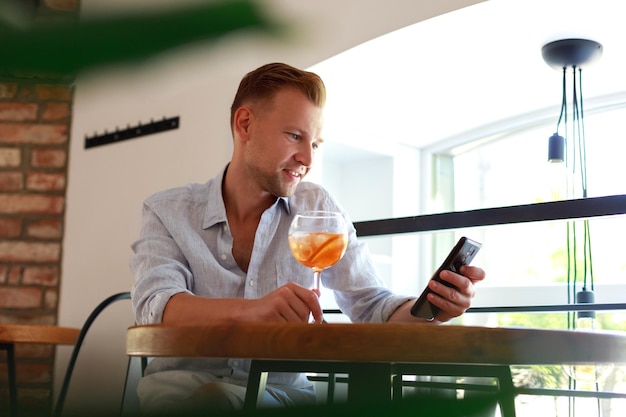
224, 257
252, 283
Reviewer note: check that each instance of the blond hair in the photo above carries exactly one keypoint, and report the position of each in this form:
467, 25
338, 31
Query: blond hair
264, 82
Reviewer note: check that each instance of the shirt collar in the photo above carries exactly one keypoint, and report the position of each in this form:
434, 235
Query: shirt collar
216, 211
285, 203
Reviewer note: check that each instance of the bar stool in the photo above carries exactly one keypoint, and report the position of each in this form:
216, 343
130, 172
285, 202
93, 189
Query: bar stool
11, 334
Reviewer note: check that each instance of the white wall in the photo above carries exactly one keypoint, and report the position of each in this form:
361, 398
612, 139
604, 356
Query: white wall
107, 184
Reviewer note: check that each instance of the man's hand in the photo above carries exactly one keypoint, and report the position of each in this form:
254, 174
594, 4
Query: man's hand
290, 303
453, 302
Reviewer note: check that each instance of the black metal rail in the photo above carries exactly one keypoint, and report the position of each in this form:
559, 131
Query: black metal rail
556, 210
549, 308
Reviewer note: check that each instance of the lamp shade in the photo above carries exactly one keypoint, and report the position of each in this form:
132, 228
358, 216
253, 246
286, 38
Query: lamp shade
585, 297
556, 148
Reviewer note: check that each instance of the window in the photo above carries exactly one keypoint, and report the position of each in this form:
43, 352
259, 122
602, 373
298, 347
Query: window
375, 175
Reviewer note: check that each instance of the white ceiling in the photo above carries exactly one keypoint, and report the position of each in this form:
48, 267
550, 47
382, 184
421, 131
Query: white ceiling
445, 78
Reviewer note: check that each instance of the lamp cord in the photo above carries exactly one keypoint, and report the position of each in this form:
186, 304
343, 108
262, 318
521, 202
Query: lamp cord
576, 163
563, 102
583, 172
581, 134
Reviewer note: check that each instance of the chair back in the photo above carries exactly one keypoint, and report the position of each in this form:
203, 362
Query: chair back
89, 384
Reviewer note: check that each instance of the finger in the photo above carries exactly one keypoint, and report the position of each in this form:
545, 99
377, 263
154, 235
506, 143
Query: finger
286, 305
300, 303
318, 315
290, 311
301, 309
475, 274
310, 301
447, 308
453, 296
452, 278
459, 282
453, 302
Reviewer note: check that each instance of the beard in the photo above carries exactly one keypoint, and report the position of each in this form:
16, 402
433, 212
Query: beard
272, 181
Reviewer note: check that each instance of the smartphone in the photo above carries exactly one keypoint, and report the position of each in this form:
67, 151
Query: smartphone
462, 254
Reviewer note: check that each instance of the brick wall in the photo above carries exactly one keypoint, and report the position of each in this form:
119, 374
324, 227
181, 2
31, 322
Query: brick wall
35, 117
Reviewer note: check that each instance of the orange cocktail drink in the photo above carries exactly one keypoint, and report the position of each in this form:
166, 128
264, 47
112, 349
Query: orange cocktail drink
318, 250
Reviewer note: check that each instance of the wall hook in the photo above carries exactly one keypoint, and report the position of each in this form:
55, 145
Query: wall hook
132, 132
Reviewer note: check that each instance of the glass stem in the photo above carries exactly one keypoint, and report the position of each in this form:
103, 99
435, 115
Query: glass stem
317, 276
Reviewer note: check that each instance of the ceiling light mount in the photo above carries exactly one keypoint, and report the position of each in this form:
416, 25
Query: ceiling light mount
566, 53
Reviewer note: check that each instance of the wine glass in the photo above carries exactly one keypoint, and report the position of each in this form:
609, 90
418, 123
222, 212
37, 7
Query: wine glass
318, 239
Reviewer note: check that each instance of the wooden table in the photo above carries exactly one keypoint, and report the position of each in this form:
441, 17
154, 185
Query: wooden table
377, 349
10, 334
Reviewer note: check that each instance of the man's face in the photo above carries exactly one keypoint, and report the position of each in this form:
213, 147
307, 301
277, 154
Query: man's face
283, 138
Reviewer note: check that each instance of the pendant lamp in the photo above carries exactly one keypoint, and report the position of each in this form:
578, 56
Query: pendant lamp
568, 146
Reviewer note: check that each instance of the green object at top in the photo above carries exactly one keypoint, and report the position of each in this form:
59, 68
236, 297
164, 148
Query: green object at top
68, 48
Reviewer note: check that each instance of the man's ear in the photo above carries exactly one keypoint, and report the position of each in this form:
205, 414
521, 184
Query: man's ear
242, 121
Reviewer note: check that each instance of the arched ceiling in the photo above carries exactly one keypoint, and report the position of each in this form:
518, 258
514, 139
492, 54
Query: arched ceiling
471, 69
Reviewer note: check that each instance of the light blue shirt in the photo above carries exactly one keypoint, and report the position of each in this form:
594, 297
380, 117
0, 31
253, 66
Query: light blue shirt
185, 246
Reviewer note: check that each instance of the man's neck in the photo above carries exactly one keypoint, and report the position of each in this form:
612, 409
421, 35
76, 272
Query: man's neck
242, 199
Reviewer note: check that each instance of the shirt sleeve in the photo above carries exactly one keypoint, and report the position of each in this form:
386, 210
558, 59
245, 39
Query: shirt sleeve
358, 289
160, 269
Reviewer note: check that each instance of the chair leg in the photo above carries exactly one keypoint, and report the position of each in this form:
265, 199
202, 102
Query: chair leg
134, 371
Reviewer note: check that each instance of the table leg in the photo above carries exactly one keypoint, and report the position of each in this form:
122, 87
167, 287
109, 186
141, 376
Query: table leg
255, 390
369, 383
9, 347
507, 392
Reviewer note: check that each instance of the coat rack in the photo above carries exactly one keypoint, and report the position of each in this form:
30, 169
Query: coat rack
132, 132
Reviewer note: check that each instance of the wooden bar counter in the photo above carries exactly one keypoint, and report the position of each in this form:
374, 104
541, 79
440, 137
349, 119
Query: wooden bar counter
40, 334
369, 342
373, 355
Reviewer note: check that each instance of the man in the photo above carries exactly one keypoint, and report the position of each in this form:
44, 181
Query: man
218, 252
